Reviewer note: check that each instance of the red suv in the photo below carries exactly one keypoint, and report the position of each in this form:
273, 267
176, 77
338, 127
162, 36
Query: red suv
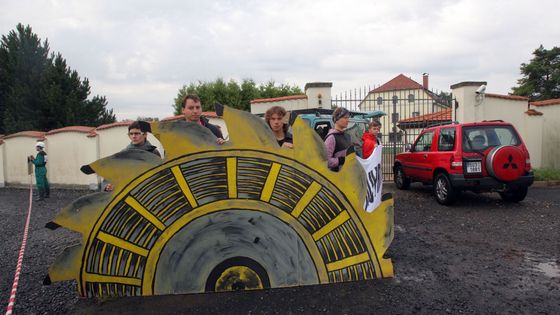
483, 156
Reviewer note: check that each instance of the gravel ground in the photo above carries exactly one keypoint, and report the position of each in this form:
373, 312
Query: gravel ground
481, 256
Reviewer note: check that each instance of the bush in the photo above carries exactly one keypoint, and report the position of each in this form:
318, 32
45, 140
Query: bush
547, 174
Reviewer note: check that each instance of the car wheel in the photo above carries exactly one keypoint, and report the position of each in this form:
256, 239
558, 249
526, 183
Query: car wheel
443, 190
401, 181
514, 195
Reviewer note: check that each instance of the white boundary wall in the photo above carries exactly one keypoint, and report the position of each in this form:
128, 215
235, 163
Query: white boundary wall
541, 134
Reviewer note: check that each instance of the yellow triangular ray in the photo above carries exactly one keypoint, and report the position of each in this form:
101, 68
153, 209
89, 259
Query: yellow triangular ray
120, 168
248, 131
81, 215
67, 265
308, 146
379, 225
180, 138
351, 179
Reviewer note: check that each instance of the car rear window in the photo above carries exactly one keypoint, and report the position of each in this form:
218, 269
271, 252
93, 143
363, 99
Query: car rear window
479, 138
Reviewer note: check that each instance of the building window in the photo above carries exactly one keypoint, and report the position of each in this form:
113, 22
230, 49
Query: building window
415, 114
380, 100
411, 98
395, 118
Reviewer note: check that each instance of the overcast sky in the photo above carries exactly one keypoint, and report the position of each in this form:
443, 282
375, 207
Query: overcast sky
140, 53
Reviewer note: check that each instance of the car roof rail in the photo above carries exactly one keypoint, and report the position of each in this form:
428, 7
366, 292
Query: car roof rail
493, 120
441, 123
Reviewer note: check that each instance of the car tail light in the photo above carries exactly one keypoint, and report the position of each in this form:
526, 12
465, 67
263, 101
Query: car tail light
528, 164
456, 164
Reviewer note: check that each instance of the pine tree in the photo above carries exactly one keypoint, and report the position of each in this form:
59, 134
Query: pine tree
541, 76
40, 92
23, 59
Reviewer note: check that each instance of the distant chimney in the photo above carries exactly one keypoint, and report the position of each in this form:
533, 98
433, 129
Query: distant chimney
425, 81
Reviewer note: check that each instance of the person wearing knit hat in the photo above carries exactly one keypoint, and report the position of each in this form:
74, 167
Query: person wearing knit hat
40, 162
337, 142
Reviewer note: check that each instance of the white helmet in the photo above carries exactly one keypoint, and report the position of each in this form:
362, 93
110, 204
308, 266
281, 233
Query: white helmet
40, 144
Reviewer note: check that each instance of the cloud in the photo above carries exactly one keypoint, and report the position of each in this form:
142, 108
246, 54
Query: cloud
140, 53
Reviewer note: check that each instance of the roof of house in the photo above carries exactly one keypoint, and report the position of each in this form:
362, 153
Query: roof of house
81, 129
507, 97
278, 99
425, 120
31, 134
554, 101
400, 82
437, 116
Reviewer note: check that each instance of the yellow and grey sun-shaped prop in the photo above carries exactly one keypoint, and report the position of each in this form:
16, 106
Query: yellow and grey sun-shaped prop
243, 215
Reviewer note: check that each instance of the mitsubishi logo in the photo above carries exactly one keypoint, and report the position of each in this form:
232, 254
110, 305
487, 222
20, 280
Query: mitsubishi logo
510, 162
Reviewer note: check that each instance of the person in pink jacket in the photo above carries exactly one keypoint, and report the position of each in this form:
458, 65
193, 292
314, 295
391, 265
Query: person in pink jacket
369, 138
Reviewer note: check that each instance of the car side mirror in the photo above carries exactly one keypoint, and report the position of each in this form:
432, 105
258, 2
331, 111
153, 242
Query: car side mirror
408, 147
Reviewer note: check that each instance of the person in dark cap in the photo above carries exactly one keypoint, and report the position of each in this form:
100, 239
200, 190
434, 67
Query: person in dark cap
337, 142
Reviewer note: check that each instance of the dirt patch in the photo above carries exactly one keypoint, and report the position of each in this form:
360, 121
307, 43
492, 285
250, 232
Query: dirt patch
481, 256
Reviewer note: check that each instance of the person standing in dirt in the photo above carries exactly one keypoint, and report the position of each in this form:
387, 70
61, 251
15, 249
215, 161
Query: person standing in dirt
192, 109
274, 117
370, 139
40, 162
337, 142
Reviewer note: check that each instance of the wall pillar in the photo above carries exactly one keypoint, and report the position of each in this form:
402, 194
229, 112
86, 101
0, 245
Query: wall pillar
469, 102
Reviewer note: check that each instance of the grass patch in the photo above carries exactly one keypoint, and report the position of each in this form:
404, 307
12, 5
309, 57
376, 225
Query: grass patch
547, 174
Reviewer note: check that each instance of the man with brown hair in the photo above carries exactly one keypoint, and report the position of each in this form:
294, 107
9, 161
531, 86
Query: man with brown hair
192, 109
274, 117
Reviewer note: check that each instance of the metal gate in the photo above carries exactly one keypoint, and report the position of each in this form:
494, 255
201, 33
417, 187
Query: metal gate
408, 112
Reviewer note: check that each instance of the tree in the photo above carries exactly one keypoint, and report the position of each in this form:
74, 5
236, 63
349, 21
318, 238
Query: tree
23, 60
40, 92
231, 93
541, 76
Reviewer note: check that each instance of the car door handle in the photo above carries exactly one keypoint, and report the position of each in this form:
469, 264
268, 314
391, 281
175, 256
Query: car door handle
425, 155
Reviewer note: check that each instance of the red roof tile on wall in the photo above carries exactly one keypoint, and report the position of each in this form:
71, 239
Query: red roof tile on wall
173, 118
181, 117
31, 134
554, 101
507, 97
278, 99
82, 129
532, 112
115, 124
400, 82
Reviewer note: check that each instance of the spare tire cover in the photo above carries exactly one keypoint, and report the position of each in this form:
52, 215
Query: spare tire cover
506, 163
